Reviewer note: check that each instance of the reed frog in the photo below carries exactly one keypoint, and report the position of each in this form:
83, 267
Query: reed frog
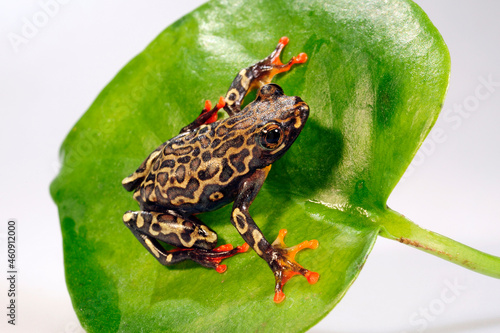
212, 163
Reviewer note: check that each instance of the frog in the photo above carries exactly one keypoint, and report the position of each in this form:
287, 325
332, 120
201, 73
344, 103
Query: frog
213, 162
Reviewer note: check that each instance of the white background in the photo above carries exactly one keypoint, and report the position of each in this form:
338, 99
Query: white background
452, 188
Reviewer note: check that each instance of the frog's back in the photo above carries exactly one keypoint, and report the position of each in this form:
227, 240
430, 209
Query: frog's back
198, 171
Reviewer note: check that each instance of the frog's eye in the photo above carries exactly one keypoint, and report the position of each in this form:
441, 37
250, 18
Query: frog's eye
271, 136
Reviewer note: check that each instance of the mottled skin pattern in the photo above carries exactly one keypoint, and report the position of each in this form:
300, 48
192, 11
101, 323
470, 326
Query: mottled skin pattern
209, 165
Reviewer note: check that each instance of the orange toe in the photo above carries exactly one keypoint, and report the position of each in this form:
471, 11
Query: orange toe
279, 296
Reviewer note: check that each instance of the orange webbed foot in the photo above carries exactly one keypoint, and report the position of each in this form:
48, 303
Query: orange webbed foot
278, 66
272, 65
286, 267
222, 252
212, 258
275, 59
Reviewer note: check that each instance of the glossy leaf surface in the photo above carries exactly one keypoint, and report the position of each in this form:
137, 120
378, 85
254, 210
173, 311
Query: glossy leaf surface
375, 81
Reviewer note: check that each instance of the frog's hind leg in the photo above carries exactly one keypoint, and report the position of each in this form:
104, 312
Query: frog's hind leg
258, 75
195, 240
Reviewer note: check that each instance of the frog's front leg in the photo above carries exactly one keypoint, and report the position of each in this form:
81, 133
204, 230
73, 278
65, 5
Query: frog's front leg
195, 240
279, 258
258, 75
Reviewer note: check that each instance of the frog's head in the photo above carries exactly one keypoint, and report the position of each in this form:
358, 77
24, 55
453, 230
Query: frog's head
281, 121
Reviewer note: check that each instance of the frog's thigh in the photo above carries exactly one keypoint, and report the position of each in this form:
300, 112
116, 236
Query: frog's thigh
187, 232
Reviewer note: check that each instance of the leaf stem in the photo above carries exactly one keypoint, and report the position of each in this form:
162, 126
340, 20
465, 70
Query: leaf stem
397, 227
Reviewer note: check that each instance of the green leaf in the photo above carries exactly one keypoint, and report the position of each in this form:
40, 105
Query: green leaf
375, 81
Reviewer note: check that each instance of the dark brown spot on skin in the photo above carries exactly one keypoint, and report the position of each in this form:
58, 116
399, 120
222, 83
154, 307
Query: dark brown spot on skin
236, 142
204, 141
167, 150
195, 163
221, 131
229, 136
183, 151
168, 164
162, 178
209, 172
241, 222
237, 160
215, 143
184, 159
192, 185
227, 172
196, 151
203, 130
156, 227
158, 193
186, 236
166, 218
180, 173
156, 165
151, 177
206, 156
146, 191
